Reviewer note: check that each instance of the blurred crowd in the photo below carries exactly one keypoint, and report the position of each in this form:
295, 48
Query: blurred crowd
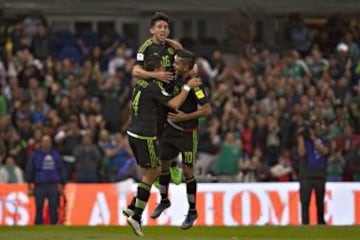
77, 87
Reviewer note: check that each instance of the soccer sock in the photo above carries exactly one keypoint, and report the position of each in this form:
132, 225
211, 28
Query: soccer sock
132, 204
142, 197
164, 181
191, 192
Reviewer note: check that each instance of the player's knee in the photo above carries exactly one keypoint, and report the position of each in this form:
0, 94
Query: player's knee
165, 165
188, 171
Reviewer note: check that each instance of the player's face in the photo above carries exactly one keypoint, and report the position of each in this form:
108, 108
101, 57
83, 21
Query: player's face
160, 68
160, 31
179, 66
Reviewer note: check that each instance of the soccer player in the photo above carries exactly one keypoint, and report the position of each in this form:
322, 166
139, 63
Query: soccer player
166, 48
180, 136
142, 131
157, 44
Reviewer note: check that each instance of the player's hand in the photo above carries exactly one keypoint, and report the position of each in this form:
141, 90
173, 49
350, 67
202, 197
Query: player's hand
194, 82
179, 116
174, 44
164, 76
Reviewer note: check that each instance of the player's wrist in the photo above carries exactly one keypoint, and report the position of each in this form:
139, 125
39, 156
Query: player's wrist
186, 87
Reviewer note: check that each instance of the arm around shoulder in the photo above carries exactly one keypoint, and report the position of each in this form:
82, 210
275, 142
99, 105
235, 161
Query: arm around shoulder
174, 44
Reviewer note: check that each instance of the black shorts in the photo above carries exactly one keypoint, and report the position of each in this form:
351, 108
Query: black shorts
173, 142
146, 152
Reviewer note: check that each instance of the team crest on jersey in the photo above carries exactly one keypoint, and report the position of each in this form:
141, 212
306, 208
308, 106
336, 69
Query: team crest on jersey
171, 51
140, 57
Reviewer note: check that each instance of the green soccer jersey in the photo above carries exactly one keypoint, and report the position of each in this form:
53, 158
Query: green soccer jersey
295, 71
229, 157
3, 105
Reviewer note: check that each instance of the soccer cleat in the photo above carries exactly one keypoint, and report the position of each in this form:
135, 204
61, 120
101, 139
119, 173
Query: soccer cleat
189, 220
128, 212
136, 226
160, 208
175, 175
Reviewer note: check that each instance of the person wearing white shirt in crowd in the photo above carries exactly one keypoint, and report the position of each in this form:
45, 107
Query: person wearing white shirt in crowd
10, 172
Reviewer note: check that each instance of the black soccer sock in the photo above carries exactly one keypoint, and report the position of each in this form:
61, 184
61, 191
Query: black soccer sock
132, 204
191, 192
142, 197
164, 181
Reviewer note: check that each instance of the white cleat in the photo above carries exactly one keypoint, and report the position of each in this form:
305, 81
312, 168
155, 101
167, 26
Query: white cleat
136, 226
128, 212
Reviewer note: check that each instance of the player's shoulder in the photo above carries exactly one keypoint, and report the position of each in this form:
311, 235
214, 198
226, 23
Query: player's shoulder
155, 84
200, 92
142, 83
145, 45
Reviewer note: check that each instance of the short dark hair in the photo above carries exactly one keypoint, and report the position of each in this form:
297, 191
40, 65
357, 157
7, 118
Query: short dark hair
187, 56
152, 62
159, 16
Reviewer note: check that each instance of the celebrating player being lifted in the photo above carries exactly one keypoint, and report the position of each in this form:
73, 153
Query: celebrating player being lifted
166, 48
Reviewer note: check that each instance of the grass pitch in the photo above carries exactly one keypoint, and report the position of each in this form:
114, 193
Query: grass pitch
174, 233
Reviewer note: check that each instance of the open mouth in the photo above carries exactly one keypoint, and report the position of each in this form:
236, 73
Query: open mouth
162, 36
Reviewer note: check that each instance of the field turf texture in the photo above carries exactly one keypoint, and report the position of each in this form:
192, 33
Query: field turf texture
174, 233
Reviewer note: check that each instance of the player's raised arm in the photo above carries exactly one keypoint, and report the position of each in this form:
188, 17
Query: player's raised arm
177, 101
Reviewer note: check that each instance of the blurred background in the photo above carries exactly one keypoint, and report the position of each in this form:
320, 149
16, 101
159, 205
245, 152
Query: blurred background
65, 71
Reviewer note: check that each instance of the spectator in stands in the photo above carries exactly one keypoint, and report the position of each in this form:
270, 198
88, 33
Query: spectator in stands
120, 162
354, 50
4, 105
118, 61
282, 171
348, 144
317, 64
28, 67
42, 43
87, 160
208, 148
31, 21
230, 158
335, 165
17, 149
3, 149
354, 112
34, 143
272, 146
300, 35
10, 172
293, 70
67, 139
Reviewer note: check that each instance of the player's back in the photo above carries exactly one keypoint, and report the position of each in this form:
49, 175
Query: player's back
147, 96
